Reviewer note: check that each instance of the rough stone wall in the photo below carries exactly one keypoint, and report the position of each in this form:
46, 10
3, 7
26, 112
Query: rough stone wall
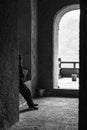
9, 95
24, 33
46, 12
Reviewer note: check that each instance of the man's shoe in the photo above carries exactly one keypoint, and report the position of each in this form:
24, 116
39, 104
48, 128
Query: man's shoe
33, 108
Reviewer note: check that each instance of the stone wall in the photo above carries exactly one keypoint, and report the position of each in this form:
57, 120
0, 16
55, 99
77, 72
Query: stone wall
83, 65
9, 95
27, 38
24, 33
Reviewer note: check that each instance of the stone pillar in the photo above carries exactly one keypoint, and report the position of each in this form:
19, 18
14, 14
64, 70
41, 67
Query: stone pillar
33, 45
83, 66
9, 95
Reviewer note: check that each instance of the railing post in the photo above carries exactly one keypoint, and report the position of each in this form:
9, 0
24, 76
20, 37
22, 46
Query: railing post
74, 65
59, 60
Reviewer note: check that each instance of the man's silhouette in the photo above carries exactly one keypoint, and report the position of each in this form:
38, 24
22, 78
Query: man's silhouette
25, 92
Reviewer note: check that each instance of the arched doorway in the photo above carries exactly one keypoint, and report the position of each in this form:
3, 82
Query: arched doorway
57, 19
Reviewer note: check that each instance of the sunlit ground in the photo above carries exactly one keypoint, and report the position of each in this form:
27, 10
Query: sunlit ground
67, 83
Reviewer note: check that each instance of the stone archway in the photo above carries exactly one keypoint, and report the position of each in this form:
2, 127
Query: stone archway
56, 22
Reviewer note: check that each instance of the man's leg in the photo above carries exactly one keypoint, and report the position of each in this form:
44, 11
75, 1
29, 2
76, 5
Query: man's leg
26, 94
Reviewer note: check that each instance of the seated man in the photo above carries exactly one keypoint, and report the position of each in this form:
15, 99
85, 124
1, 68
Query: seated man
23, 88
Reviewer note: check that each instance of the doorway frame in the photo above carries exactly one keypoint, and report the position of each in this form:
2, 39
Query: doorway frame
56, 22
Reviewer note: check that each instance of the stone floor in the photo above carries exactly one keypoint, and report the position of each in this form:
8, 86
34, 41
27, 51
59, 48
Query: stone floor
53, 114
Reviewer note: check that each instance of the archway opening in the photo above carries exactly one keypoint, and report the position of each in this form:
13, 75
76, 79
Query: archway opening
72, 9
68, 50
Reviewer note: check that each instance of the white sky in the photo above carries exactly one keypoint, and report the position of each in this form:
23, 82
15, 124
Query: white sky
69, 36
